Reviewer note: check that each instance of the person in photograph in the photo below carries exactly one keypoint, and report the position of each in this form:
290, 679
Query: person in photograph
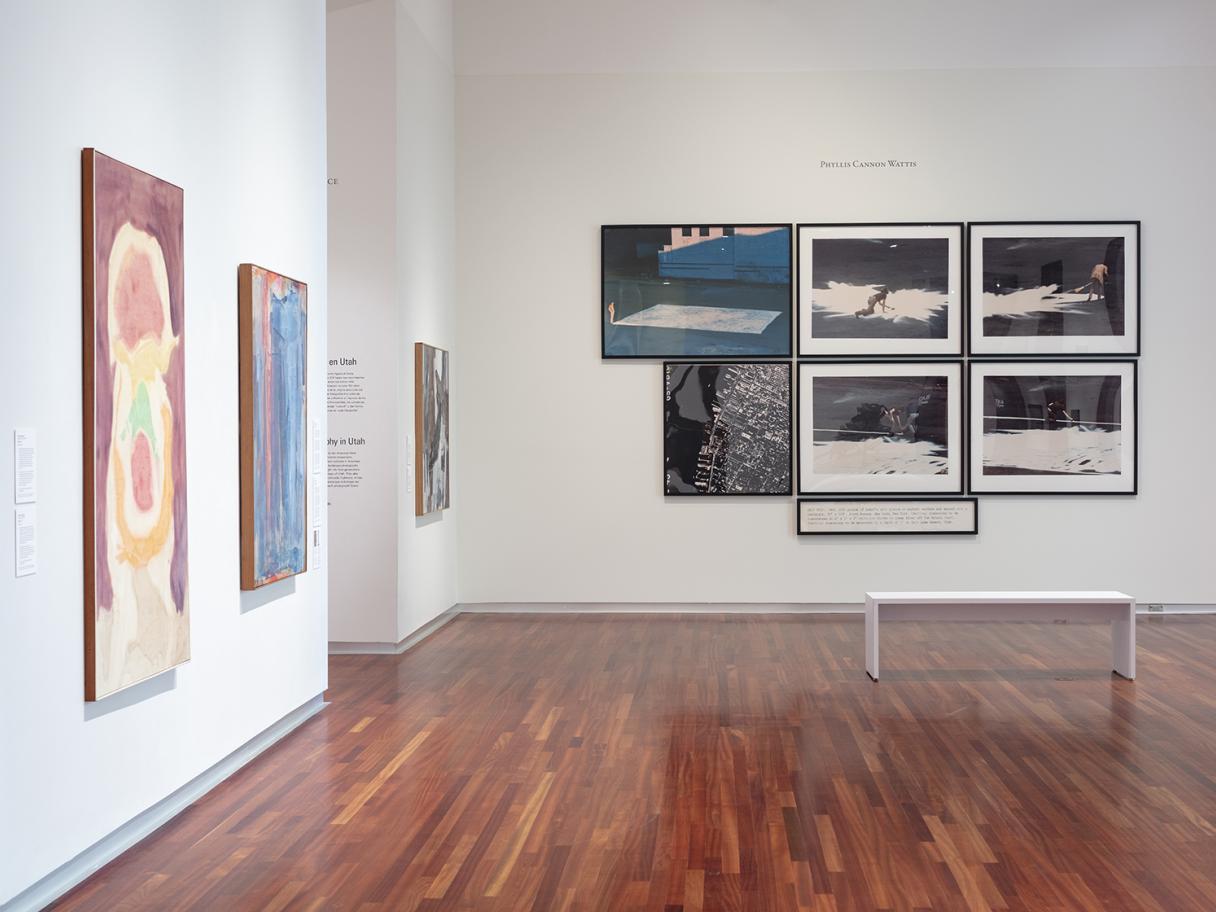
1057, 415
878, 299
1097, 282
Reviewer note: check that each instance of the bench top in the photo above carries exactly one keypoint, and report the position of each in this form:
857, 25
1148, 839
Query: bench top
1059, 597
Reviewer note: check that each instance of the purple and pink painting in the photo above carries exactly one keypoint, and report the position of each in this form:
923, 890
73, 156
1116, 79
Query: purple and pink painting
274, 404
137, 613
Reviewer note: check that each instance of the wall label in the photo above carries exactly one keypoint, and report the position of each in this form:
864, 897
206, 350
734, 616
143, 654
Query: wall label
26, 540
25, 465
888, 516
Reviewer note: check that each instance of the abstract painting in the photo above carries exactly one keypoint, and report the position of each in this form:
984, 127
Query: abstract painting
1053, 427
137, 610
432, 490
695, 291
1055, 288
880, 289
727, 428
871, 427
274, 408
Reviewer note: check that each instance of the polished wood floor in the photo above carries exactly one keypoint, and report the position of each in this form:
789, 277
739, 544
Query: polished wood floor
678, 763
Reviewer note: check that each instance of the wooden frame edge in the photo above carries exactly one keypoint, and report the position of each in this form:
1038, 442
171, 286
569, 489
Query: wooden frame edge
88, 415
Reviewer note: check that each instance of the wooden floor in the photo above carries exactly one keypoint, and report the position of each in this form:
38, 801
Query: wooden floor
678, 763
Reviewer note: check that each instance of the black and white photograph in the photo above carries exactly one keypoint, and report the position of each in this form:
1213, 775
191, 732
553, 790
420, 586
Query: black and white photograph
886, 289
1048, 288
433, 491
696, 291
727, 428
1053, 427
890, 427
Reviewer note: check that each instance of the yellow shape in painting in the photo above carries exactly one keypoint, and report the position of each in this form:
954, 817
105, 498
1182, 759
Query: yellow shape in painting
149, 361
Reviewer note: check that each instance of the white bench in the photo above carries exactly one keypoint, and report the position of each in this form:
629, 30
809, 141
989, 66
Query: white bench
1116, 607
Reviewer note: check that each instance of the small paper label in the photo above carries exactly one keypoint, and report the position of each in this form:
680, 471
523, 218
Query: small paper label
25, 465
27, 540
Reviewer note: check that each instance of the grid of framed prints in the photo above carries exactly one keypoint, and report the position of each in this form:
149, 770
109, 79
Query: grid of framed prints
893, 424
880, 290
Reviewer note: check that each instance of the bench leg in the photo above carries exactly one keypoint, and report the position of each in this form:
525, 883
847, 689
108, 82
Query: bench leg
1123, 643
871, 639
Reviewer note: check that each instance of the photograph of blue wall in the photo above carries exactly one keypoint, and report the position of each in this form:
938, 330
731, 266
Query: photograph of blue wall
677, 291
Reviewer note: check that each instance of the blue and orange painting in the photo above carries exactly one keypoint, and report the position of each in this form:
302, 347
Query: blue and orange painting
274, 453
680, 291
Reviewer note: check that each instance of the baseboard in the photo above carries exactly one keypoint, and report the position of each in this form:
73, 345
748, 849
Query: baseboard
660, 608
1142, 608
68, 875
730, 608
348, 648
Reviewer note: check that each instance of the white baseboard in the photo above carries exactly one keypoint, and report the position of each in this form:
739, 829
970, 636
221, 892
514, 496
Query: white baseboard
728, 608
49, 888
1142, 608
660, 608
347, 648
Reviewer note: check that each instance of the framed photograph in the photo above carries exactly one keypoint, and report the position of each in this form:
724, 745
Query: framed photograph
883, 290
273, 324
696, 291
1053, 427
888, 516
880, 427
432, 482
727, 428
1054, 288
136, 567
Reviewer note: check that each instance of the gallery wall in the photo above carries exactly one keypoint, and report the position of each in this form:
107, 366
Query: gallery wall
392, 250
561, 452
227, 100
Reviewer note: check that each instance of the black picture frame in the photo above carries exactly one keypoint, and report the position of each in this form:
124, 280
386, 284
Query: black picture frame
789, 367
706, 357
960, 304
975, 446
974, 315
975, 514
913, 365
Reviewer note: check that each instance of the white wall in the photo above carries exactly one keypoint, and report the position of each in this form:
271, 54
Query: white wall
226, 99
781, 36
362, 140
561, 453
392, 255
426, 295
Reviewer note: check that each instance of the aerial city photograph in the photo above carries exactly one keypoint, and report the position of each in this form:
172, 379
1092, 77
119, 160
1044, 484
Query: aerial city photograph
727, 429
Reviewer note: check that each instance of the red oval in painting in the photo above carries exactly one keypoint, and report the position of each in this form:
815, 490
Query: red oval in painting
141, 472
137, 303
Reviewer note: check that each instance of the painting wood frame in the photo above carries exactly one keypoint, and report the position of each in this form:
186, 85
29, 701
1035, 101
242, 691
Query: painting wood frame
789, 490
421, 433
950, 346
866, 484
706, 356
973, 501
1128, 484
1055, 346
139, 219
252, 575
